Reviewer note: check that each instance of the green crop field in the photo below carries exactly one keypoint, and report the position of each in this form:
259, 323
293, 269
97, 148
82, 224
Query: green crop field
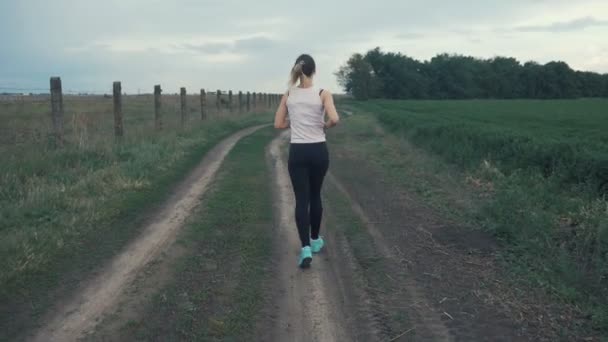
566, 139
544, 165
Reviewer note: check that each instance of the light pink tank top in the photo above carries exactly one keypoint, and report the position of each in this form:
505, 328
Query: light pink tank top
306, 115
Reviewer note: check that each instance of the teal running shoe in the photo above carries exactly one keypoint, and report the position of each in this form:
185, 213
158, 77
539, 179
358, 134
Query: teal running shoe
305, 257
317, 245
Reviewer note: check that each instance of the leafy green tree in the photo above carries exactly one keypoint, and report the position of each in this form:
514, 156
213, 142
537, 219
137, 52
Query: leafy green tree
357, 78
391, 75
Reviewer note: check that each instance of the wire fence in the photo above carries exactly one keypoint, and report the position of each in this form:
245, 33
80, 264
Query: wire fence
56, 116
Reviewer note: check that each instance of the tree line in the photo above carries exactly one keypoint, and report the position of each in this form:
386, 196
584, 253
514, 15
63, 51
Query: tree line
378, 74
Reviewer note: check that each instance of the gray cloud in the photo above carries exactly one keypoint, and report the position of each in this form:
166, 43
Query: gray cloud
245, 45
564, 26
254, 44
215, 43
208, 48
410, 35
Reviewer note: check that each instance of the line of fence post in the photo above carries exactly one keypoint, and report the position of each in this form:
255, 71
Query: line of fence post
230, 101
248, 102
203, 104
57, 109
183, 106
218, 100
158, 122
117, 95
240, 101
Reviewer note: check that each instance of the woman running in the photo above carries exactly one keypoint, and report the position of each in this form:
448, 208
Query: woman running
308, 156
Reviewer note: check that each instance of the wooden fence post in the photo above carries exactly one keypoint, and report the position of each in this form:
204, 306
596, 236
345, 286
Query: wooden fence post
248, 102
253, 103
218, 100
118, 128
203, 104
57, 109
230, 101
158, 122
240, 101
182, 95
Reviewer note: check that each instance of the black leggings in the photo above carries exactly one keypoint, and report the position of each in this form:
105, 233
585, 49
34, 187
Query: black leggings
308, 164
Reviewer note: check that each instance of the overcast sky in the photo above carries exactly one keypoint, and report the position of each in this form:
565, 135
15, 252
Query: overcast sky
251, 45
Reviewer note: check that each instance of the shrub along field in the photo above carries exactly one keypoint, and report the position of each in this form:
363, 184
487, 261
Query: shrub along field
544, 165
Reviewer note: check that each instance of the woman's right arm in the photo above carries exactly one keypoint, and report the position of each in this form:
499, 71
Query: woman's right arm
280, 117
330, 109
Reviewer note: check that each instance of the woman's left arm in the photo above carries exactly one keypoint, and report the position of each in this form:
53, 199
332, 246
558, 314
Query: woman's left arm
330, 108
280, 117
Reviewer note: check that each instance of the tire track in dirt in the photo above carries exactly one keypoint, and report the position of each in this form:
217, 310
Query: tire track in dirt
427, 323
70, 321
311, 305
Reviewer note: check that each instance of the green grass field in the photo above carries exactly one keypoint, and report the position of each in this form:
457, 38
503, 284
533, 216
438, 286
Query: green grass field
215, 292
543, 169
88, 120
562, 139
64, 209
533, 173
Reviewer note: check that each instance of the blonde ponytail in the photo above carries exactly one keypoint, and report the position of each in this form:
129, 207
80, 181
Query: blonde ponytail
296, 72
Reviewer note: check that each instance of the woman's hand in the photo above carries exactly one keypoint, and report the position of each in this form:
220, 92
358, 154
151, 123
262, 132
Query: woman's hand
330, 109
329, 124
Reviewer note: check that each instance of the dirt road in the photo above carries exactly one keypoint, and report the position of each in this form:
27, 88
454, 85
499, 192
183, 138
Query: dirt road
404, 275
320, 304
310, 309
424, 281
69, 321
